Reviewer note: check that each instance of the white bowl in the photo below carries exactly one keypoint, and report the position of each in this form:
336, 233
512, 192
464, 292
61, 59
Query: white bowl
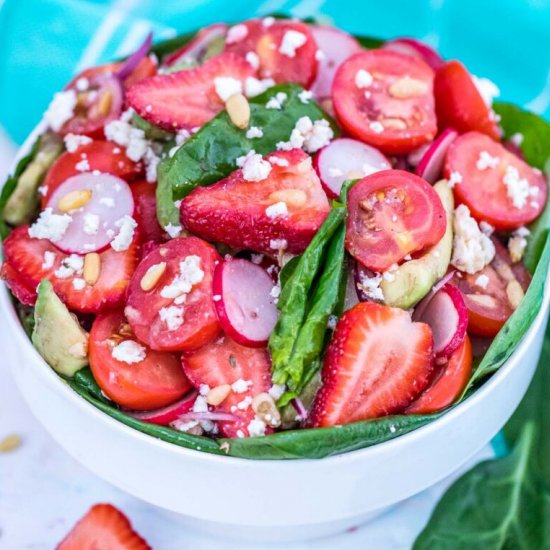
270, 500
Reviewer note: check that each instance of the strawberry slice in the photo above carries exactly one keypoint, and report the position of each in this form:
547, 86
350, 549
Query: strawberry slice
226, 362
282, 211
145, 212
103, 527
377, 363
18, 286
31, 259
186, 99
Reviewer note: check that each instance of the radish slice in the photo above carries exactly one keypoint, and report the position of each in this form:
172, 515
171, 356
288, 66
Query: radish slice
335, 46
166, 415
415, 48
346, 158
447, 315
431, 164
95, 223
133, 61
101, 86
245, 298
194, 51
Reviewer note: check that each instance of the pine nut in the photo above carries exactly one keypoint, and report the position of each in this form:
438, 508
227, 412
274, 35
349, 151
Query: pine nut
505, 271
105, 102
482, 300
74, 199
393, 123
266, 410
238, 109
10, 443
152, 276
218, 394
92, 268
515, 293
407, 87
294, 198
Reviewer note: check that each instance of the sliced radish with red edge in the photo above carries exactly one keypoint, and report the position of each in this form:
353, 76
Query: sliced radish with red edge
415, 48
169, 414
431, 164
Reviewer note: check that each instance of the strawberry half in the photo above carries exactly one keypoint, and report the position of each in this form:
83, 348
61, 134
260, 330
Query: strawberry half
377, 363
186, 99
29, 259
20, 289
104, 527
224, 362
241, 213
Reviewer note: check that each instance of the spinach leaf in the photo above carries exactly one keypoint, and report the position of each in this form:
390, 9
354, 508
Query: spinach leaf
210, 155
517, 325
498, 504
323, 442
287, 270
86, 380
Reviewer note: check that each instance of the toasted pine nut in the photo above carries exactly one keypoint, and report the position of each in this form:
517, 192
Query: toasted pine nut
152, 276
218, 394
105, 102
516, 248
74, 199
515, 293
407, 87
482, 299
10, 443
92, 268
266, 410
238, 109
304, 166
294, 198
505, 271
394, 123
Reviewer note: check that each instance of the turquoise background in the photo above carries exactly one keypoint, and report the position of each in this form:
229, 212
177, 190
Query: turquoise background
43, 42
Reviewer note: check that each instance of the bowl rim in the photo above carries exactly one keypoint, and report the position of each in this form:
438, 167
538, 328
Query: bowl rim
56, 383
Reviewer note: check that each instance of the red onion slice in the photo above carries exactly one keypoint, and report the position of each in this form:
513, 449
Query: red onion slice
300, 408
431, 164
166, 415
415, 48
132, 62
210, 415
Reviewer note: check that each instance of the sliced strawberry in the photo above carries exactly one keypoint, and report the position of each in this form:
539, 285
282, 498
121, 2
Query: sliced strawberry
29, 259
145, 213
186, 99
25, 293
225, 362
104, 527
235, 211
377, 363
104, 156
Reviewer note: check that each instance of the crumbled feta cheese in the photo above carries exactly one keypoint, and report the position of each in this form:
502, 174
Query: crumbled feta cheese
456, 177
204, 389
311, 136
256, 427
50, 226
277, 101
363, 79
278, 244
522, 232
472, 249
182, 136
517, 139
275, 292
173, 230
49, 260
123, 133
82, 166
151, 160
253, 60
486, 228
335, 172
332, 322
91, 224
254, 87
305, 96
254, 132
320, 55
292, 40
376, 127
371, 286
254, 167
276, 391
125, 235
172, 316
74, 141
109, 202
71, 265
482, 281
236, 33
43, 190
268, 21
187, 427
245, 403
487, 89
61, 109
518, 188
241, 386
78, 283
216, 297
278, 161
276, 210
189, 275
518, 243
256, 258
226, 86
82, 84
486, 161
129, 351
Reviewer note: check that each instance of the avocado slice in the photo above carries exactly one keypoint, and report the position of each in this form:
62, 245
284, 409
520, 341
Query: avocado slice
57, 334
24, 200
414, 279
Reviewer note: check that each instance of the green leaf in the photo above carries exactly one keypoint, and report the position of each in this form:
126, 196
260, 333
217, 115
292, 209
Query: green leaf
85, 379
287, 270
499, 504
210, 155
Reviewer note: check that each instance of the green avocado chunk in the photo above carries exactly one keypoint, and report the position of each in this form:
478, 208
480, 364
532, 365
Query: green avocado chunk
414, 279
23, 202
57, 334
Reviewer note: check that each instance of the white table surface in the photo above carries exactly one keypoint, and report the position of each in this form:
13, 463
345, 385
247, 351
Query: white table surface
43, 491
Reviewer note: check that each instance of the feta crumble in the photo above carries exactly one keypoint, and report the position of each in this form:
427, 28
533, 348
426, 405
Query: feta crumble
254, 86
129, 351
486, 228
276, 210
276, 391
245, 403
82, 166
363, 79
518, 188
74, 141
173, 230
172, 316
371, 286
376, 127
61, 109
226, 86
487, 89
518, 243
125, 235
79, 284
482, 281
189, 275
292, 40
278, 161
256, 427
109, 202
308, 135
278, 244
49, 260
277, 101
70, 266
236, 33
50, 226
254, 167
91, 224
486, 161
305, 96
455, 177
241, 386
253, 60
254, 132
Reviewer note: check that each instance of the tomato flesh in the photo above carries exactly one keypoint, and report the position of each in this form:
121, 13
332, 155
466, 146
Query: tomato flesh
157, 381
199, 319
145, 213
385, 99
506, 194
391, 214
459, 104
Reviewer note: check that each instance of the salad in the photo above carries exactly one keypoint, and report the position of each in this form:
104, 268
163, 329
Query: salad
274, 239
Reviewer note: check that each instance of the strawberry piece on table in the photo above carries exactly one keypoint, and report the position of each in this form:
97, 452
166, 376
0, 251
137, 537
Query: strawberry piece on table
283, 210
377, 363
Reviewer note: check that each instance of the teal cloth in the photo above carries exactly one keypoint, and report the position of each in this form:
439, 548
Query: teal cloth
44, 42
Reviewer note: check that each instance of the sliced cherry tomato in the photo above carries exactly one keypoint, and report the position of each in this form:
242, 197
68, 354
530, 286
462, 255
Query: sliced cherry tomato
496, 185
103, 156
164, 318
145, 212
450, 381
391, 214
385, 98
156, 381
459, 104
279, 57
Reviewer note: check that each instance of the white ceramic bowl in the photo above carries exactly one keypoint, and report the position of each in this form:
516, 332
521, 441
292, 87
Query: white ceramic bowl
273, 500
